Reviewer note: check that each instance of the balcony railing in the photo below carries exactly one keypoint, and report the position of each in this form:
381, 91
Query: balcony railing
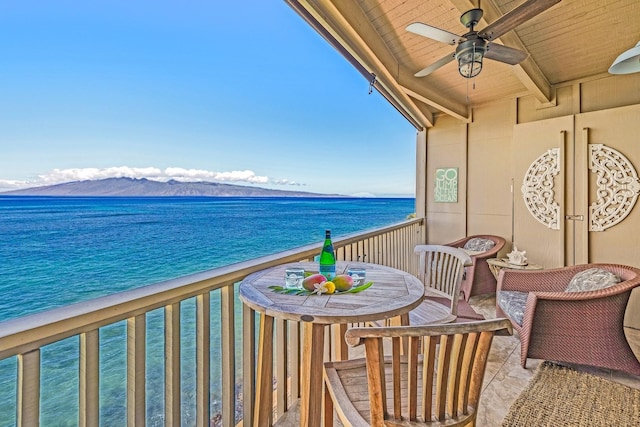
215, 294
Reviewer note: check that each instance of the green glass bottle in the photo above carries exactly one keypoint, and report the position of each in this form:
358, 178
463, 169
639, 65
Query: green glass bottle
328, 258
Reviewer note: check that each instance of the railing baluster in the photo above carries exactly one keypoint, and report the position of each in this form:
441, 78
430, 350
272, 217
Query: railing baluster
88, 389
402, 247
203, 364
386, 256
294, 358
172, 389
263, 406
248, 364
368, 249
393, 256
396, 248
280, 356
340, 348
28, 408
228, 356
136, 345
406, 242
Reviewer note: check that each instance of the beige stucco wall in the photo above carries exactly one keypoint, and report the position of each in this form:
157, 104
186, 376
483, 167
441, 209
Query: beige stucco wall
446, 147
484, 151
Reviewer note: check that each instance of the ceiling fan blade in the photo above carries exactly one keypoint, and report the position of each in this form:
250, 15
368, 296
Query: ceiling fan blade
505, 54
433, 33
431, 68
515, 17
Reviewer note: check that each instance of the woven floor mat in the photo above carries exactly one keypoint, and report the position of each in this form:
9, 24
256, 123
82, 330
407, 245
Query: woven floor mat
558, 396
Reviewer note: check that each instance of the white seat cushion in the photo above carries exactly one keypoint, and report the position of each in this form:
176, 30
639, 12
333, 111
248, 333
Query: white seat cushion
479, 244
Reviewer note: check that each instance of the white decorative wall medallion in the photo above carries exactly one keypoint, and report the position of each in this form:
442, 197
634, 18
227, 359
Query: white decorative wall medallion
537, 189
618, 187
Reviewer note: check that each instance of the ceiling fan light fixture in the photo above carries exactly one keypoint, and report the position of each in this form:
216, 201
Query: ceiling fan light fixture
469, 55
628, 62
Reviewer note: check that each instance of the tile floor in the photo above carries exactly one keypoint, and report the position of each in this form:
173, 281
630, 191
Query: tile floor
504, 377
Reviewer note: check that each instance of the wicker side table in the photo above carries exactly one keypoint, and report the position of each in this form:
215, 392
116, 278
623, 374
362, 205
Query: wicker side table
497, 264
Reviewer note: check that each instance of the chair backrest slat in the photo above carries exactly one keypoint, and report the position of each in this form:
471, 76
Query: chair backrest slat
479, 365
430, 344
376, 379
397, 377
442, 379
465, 372
439, 378
412, 377
457, 356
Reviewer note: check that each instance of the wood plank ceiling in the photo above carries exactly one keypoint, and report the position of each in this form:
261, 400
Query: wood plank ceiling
573, 40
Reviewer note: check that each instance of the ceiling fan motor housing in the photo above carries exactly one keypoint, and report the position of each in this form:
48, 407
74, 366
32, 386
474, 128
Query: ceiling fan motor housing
471, 18
469, 55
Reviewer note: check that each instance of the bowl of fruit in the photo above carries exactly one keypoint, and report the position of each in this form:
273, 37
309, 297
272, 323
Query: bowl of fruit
318, 284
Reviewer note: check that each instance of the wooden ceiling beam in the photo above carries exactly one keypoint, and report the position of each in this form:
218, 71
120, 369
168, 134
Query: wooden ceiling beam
355, 27
527, 71
339, 26
416, 88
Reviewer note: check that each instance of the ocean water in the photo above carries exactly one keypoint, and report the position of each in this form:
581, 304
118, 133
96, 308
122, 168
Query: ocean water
57, 251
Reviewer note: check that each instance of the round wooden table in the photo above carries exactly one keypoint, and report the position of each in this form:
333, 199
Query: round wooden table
394, 293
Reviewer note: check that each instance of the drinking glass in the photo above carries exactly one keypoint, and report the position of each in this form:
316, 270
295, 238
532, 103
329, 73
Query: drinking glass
358, 275
293, 278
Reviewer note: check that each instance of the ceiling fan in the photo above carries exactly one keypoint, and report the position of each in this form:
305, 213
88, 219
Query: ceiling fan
476, 45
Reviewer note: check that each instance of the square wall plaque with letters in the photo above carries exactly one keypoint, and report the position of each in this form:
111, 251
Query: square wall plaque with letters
446, 185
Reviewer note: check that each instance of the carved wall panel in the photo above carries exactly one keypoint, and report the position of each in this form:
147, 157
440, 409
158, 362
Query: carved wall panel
538, 189
618, 187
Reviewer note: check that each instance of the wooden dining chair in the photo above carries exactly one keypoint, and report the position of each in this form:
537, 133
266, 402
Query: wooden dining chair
441, 269
437, 383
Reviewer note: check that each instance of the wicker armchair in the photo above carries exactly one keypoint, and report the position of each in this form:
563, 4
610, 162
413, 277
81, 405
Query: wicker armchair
478, 277
584, 328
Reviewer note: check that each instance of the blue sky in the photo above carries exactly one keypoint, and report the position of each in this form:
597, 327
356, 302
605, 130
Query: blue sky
242, 92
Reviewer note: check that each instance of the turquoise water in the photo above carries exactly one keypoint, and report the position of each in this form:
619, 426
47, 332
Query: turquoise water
57, 251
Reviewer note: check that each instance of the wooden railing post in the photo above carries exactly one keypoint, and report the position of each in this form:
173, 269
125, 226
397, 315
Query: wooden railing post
203, 361
248, 364
136, 371
227, 320
172, 389
28, 408
88, 389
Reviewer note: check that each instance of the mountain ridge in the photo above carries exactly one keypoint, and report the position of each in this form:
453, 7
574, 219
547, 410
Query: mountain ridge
143, 187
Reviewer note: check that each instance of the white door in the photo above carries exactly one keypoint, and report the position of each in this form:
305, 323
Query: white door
612, 226
576, 186
539, 153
